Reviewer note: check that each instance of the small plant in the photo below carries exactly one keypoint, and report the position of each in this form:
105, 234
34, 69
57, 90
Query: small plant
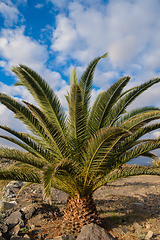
114, 218
25, 229
6, 199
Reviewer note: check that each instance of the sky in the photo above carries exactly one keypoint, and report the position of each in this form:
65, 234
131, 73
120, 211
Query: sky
54, 36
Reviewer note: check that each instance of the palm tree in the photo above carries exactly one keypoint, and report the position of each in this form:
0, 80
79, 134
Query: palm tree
80, 152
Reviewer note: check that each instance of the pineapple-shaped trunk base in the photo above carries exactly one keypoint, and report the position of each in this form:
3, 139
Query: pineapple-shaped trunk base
79, 212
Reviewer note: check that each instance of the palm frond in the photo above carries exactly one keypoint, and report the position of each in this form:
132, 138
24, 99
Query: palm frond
26, 116
135, 113
86, 80
65, 182
73, 77
24, 157
56, 141
23, 114
151, 155
127, 171
139, 150
99, 147
138, 121
77, 119
104, 103
20, 175
126, 100
52, 172
26, 142
47, 179
131, 141
43, 94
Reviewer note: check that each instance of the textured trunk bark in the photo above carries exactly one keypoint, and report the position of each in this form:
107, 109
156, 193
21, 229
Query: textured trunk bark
79, 212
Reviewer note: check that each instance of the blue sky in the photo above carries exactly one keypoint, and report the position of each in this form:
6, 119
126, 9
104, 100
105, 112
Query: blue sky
54, 36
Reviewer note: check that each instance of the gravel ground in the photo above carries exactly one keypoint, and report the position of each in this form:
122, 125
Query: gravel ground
129, 207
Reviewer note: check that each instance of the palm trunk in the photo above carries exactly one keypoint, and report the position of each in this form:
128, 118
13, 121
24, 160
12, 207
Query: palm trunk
79, 212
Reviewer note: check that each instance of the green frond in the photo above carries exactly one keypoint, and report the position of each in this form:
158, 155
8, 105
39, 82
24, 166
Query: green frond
24, 157
86, 80
65, 182
134, 170
20, 175
77, 119
90, 123
126, 100
98, 150
127, 171
131, 141
127, 91
47, 179
43, 94
138, 151
73, 77
67, 97
138, 121
104, 103
55, 139
151, 155
25, 143
135, 113
118, 159
33, 124
23, 114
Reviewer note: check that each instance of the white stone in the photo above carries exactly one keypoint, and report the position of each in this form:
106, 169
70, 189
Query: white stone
149, 235
14, 202
148, 225
137, 225
26, 236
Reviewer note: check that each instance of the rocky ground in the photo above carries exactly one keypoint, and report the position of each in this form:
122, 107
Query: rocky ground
129, 209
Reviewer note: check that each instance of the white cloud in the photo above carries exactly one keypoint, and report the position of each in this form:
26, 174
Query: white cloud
125, 29
16, 48
65, 36
61, 94
156, 134
123, 51
3, 63
10, 12
64, 3
59, 4
39, 5
20, 91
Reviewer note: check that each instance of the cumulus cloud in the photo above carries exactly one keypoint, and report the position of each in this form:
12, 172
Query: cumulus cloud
39, 5
156, 134
59, 4
65, 36
64, 3
124, 29
16, 48
10, 13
